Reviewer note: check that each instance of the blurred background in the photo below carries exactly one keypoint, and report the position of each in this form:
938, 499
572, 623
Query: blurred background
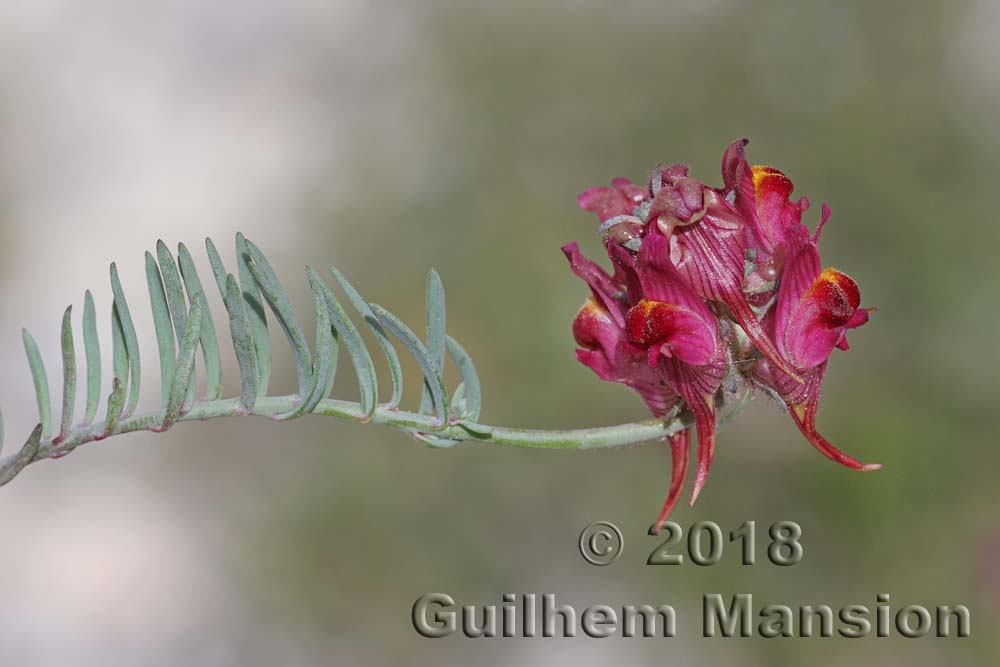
387, 138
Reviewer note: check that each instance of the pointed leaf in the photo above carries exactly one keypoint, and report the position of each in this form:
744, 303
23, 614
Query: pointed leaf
119, 354
92, 347
209, 341
459, 407
470, 379
326, 352
69, 374
218, 268
41, 380
116, 401
435, 333
356, 348
277, 299
255, 311
395, 369
184, 370
131, 341
416, 347
239, 329
335, 342
163, 327
434, 441
10, 469
172, 286
240, 325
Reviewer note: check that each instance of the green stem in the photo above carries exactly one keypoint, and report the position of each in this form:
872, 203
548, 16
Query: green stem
411, 422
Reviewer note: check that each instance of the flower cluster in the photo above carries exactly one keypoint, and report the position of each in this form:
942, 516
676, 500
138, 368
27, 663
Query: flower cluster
712, 286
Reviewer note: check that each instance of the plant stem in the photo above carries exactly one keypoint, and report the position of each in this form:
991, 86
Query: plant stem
411, 422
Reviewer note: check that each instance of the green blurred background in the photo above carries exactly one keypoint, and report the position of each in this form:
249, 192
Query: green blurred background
390, 137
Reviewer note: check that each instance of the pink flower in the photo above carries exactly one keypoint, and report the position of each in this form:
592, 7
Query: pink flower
708, 244
599, 329
813, 312
608, 203
682, 338
761, 195
650, 331
689, 261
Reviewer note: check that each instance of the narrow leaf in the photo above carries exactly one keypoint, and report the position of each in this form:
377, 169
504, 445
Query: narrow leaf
131, 341
209, 341
392, 358
419, 352
258, 318
218, 268
119, 354
239, 329
240, 324
327, 344
116, 401
435, 333
92, 347
355, 345
69, 374
326, 352
471, 391
41, 380
184, 370
434, 441
459, 408
163, 327
335, 342
172, 285
277, 299
175, 297
26, 455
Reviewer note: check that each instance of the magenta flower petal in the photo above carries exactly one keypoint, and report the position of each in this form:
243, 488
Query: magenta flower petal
598, 329
626, 271
812, 325
804, 415
814, 309
661, 281
612, 202
634, 192
690, 264
605, 202
859, 318
707, 246
761, 195
671, 331
697, 386
705, 421
595, 329
679, 449
737, 176
669, 315
604, 288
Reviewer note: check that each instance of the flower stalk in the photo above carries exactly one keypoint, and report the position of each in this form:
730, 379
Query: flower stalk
413, 423
184, 324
